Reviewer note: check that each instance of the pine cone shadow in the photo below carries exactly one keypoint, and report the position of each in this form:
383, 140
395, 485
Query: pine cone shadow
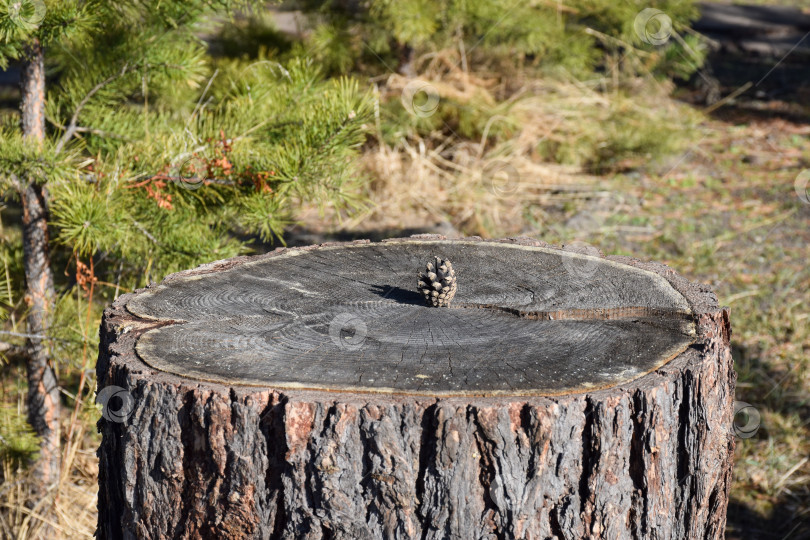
398, 295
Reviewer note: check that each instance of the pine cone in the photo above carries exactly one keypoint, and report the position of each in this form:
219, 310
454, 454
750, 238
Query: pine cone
438, 282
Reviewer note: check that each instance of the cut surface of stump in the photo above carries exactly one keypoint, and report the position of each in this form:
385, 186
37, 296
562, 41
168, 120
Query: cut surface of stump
311, 393
350, 318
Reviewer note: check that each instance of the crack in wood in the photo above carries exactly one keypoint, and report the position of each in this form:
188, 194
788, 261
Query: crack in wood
589, 314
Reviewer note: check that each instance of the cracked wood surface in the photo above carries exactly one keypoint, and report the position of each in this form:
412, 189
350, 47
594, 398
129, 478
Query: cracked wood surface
646, 458
526, 320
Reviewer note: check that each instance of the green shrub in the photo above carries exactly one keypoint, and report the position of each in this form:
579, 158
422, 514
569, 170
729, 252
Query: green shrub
384, 35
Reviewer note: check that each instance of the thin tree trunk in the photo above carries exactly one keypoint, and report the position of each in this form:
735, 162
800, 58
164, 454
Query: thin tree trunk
43, 389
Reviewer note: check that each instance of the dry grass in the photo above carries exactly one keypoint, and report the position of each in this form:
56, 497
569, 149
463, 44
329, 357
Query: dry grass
69, 509
537, 146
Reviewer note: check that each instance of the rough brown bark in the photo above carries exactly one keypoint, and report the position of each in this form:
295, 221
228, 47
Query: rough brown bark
649, 457
43, 388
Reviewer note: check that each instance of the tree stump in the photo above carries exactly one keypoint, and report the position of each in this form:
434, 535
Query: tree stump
311, 393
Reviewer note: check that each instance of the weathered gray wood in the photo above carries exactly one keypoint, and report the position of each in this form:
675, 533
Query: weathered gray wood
350, 318
560, 395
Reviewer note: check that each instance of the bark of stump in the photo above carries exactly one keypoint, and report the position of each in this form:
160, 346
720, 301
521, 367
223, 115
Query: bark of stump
309, 393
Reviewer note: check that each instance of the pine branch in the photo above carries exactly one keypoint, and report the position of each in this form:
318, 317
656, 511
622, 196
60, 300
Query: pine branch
93, 131
72, 127
15, 182
199, 101
146, 233
207, 180
10, 350
346, 121
158, 243
23, 335
102, 133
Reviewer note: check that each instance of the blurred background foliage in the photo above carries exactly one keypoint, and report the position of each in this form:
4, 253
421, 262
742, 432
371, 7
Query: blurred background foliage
498, 47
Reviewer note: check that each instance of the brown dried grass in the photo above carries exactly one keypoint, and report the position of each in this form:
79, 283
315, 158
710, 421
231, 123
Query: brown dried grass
69, 510
504, 182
